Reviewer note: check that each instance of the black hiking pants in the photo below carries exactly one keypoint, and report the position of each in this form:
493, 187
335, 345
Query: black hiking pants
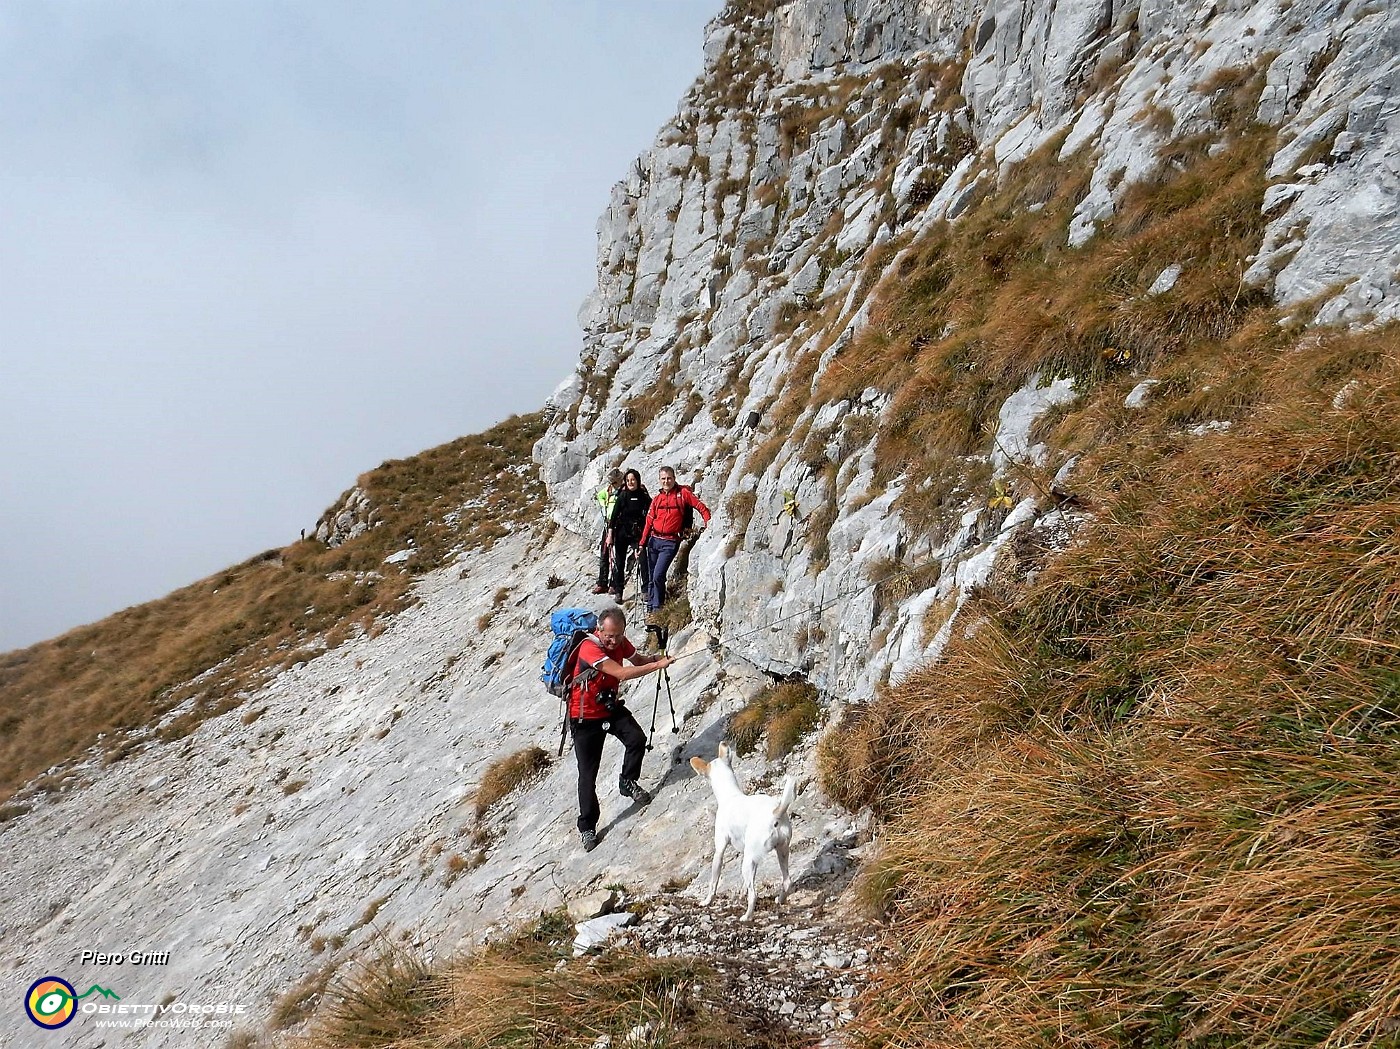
621, 547
588, 751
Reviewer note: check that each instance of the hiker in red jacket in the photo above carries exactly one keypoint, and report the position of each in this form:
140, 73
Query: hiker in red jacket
595, 712
661, 535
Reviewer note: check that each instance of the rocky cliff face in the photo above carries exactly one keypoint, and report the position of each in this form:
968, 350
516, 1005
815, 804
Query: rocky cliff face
739, 262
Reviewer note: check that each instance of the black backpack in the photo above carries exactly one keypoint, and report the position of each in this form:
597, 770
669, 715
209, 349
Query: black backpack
687, 511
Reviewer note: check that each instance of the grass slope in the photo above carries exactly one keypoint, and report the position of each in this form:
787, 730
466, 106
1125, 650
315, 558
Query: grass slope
1151, 799
1147, 799
209, 642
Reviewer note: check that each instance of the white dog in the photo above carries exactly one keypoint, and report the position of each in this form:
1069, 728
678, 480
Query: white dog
754, 823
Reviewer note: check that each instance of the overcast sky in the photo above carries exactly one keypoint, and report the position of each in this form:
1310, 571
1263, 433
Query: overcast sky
249, 250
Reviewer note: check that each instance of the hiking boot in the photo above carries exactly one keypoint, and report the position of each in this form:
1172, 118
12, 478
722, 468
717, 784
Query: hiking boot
630, 788
590, 840
600, 590
616, 595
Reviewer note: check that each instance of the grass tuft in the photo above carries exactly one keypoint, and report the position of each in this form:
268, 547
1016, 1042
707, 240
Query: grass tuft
526, 989
675, 615
505, 774
384, 1001
782, 714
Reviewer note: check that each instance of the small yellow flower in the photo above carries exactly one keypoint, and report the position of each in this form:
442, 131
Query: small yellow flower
1001, 498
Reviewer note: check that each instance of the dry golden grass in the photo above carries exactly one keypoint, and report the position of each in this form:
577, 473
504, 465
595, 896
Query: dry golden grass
642, 409
210, 642
782, 714
1151, 800
782, 412
821, 516
979, 307
505, 774
512, 994
740, 509
301, 1000
675, 615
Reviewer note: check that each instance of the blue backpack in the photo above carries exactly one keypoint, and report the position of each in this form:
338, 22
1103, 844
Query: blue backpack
570, 626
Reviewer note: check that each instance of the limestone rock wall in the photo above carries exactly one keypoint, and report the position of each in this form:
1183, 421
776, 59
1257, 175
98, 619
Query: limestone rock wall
821, 130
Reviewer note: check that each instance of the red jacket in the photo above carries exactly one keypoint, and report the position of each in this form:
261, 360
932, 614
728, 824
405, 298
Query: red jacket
583, 697
664, 514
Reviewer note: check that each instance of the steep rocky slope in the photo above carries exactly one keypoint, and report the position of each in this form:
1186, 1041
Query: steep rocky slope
333, 812
737, 262
752, 326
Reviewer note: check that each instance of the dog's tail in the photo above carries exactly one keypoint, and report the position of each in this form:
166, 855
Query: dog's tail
789, 796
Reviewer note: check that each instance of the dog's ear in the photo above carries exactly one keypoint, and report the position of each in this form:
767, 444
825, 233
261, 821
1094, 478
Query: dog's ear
700, 765
724, 752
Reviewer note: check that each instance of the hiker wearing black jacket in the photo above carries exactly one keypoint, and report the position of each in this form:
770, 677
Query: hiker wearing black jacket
625, 527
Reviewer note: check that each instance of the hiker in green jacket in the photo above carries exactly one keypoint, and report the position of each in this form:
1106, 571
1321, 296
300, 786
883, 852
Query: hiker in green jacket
605, 498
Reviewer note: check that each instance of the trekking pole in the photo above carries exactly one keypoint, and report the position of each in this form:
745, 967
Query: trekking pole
666, 676
661, 639
655, 702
